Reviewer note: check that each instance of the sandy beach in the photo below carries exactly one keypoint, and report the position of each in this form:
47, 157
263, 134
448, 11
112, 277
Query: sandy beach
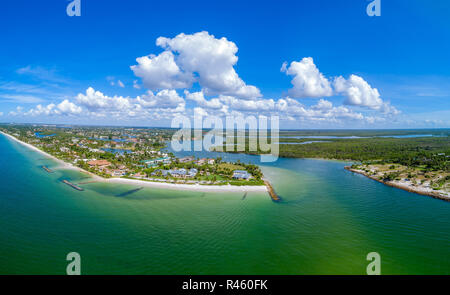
191, 187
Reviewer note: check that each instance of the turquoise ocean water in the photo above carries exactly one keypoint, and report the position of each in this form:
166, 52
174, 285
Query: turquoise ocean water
328, 221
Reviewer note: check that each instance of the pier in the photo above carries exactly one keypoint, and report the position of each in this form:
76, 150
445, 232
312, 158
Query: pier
47, 169
272, 192
72, 185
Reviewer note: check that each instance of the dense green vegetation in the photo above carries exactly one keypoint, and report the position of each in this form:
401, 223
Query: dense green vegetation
431, 152
406, 151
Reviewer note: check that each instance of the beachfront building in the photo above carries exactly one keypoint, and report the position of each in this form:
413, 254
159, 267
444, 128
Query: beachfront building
64, 149
192, 172
186, 159
204, 161
99, 163
178, 173
118, 173
155, 162
241, 174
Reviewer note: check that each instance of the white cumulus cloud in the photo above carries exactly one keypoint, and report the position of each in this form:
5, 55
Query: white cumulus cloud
94, 104
165, 99
198, 57
68, 107
307, 81
63, 108
198, 111
199, 98
359, 93
161, 72
96, 100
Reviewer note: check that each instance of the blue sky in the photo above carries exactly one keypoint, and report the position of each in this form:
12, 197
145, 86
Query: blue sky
343, 69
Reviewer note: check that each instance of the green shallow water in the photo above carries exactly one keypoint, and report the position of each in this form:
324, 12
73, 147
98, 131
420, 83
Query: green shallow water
328, 221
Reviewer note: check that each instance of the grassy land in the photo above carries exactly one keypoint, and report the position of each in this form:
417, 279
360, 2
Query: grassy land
229, 166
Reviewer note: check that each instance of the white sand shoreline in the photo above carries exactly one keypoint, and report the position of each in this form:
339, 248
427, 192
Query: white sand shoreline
191, 187
62, 164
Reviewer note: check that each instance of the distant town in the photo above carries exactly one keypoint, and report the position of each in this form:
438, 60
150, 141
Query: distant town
135, 153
